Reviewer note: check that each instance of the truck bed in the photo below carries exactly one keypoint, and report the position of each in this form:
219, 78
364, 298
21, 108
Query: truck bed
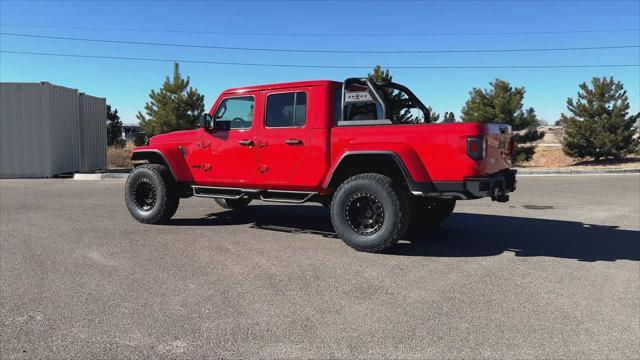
431, 152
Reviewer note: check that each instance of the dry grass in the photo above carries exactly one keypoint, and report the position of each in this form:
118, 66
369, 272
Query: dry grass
549, 156
119, 158
553, 157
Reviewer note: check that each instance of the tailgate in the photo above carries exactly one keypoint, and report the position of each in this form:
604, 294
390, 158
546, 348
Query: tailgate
499, 147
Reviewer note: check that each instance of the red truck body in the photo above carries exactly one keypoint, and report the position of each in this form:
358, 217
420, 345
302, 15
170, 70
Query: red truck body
431, 153
367, 150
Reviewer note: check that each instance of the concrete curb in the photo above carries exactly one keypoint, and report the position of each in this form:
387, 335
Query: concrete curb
534, 172
104, 176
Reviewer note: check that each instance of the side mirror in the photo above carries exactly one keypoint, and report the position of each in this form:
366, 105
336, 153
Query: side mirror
205, 121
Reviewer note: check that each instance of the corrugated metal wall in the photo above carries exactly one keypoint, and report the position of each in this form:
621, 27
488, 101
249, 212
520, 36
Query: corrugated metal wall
93, 133
62, 129
40, 131
22, 148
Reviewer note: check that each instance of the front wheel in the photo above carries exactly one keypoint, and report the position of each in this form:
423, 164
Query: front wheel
369, 212
150, 194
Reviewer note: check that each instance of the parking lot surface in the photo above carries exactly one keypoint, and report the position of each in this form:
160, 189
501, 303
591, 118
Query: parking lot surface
554, 273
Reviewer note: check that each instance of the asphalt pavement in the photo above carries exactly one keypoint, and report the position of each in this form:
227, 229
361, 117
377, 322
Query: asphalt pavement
554, 273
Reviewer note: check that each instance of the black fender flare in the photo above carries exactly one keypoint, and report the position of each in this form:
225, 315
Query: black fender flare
331, 181
153, 156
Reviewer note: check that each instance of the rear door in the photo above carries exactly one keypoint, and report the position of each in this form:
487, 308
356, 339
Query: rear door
284, 137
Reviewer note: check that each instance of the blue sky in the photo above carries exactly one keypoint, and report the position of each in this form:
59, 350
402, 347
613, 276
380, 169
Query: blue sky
126, 84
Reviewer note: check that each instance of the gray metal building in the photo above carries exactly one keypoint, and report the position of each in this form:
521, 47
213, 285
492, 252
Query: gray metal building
48, 130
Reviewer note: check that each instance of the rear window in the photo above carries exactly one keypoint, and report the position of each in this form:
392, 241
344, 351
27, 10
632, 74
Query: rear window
286, 110
360, 105
363, 111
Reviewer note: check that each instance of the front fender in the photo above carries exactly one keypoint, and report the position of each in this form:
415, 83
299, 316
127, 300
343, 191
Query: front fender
171, 157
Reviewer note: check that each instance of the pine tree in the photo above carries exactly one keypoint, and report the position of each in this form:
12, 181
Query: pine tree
600, 125
114, 127
503, 104
449, 117
400, 113
433, 116
379, 75
176, 106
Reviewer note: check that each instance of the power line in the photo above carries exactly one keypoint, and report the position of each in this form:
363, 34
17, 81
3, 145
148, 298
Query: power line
319, 66
321, 51
551, 32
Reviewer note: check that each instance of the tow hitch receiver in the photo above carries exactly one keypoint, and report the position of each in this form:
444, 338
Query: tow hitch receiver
499, 195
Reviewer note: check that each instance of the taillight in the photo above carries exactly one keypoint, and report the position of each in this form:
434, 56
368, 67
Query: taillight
475, 147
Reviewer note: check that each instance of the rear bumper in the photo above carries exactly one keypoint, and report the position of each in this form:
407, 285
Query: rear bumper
496, 186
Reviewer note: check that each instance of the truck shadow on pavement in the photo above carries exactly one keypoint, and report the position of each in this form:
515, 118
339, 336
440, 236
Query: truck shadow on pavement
462, 235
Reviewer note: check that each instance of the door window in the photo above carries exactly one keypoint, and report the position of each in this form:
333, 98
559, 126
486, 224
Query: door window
286, 110
234, 113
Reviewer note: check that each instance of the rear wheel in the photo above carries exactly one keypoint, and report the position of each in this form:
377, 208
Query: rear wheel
150, 194
234, 204
369, 212
431, 212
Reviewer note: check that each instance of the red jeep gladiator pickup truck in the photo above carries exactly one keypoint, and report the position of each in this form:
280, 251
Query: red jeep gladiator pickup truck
365, 149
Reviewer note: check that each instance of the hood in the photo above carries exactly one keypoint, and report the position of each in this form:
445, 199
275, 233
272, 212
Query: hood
175, 136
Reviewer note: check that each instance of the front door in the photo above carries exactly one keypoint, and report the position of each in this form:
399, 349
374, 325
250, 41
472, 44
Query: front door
232, 142
283, 138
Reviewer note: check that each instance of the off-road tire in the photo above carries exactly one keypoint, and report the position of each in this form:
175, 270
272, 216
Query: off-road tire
430, 212
233, 204
384, 194
164, 194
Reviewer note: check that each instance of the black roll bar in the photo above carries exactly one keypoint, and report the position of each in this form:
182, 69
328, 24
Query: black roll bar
374, 88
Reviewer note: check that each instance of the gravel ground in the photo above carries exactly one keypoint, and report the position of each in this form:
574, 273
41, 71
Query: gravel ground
552, 274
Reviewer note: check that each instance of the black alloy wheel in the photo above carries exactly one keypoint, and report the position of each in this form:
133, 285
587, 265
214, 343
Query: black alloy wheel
151, 194
370, 212
144, 195
364, 213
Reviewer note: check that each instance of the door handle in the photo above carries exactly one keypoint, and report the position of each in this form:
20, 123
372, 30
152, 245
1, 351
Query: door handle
246, 142
293, 142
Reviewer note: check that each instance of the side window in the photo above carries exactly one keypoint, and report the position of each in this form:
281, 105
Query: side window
234, 113
286, 110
